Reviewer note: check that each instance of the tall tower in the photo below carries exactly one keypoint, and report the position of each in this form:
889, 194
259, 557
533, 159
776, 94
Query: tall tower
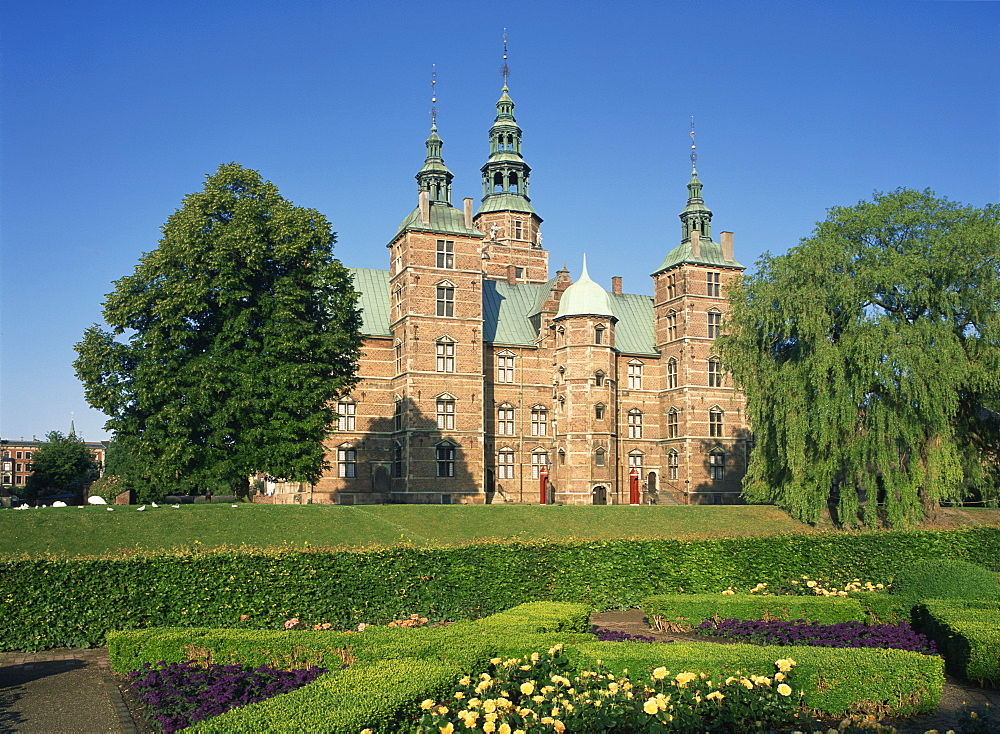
435, 303
706, 437
513, 247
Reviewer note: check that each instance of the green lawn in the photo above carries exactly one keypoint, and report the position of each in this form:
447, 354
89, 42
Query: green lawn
94, 530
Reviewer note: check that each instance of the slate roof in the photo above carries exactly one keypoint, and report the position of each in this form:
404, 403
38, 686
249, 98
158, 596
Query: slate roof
507, 311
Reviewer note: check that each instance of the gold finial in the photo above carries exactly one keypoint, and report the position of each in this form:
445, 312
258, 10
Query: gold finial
694, 155
504, 69
434, 99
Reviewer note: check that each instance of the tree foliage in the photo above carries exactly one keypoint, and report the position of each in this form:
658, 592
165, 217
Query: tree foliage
870, 357
228, 343
61, 464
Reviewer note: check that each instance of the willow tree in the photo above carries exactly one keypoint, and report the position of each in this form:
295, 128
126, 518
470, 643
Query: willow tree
228, 343
870, 358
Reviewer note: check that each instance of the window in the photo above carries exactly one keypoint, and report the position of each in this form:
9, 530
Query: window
715, 422
505, 368
672, 286
672, 465
517, 229
671, 373
539, 461
18, 479
599, 411
19, 467
446, 414
19, 455
714, 324
346, 410
599, 457
518, 273
713, 284
445, 254
397, 296
397, 459
505, 464
445, 459
634, 424
27, 454
672, 423
599, 335
397, 414
671, 326
347, 463
562, 456
635, 460
635, 376
445, 300
445, 499
445, 355
599, 378
716, 465
539, 419
399, 357
505, 420
714, 372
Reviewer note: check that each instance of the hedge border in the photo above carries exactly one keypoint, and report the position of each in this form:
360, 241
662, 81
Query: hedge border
967, 633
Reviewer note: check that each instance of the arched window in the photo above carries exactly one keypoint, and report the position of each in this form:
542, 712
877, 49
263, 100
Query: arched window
445, 456
635, 375
398, 348
445, 412
599, 378
599, 457
445, 298
445, 354
347, 461
671, 373
671, 325
539, 461
539, 420
714, 323
673, 424
716, 464
346, 411
714, 372
505, 420
505, 463
635, 423
715, 416
673, 463
562, 456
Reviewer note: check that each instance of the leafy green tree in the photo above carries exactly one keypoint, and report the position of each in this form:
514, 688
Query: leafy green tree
870, 357
61, 464
228, 343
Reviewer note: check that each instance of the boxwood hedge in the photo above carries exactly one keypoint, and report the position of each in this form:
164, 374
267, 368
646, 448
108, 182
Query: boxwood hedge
55, 602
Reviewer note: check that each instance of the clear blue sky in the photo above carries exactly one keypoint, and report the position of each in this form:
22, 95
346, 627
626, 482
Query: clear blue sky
113, 111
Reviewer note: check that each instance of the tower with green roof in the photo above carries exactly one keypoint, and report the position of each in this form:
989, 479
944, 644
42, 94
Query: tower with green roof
513, 246
704, 437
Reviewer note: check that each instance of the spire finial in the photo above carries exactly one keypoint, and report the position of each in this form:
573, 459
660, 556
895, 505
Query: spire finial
694, 154
434, 99
504, 69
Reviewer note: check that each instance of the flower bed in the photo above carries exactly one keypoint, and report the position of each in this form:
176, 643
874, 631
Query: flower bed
802, 632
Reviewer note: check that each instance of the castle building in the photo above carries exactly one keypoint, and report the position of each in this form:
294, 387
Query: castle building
480, 371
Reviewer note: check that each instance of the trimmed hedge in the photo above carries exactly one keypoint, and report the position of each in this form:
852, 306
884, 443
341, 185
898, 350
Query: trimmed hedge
946, 579
690, 610
835, 681
967, 633
54, 602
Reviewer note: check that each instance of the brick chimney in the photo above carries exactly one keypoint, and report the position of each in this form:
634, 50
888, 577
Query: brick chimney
616, 285
726, 240
424, 202
511, 273
467, 202
695, 243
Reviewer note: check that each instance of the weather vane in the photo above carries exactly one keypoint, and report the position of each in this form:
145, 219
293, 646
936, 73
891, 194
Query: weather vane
434, 99
505, 70
694, 155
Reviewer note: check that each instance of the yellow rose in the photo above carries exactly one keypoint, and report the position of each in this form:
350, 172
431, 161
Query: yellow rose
426, 704
660, 673
495, 661
784, 689
558, 726
527, 689
715, 695
684, 678
650, 707
489, 726
448, 729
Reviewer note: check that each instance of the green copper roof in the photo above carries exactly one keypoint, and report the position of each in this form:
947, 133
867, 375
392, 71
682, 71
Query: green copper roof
373, 287
711, 254
506, 203
507, 311
444, 219
584, 298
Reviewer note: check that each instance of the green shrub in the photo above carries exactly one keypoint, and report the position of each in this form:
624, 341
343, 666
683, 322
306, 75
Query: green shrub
946, 579
59, 602
835, 681
967, 634
686, 611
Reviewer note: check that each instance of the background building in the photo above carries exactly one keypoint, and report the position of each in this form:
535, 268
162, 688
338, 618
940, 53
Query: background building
480, 370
